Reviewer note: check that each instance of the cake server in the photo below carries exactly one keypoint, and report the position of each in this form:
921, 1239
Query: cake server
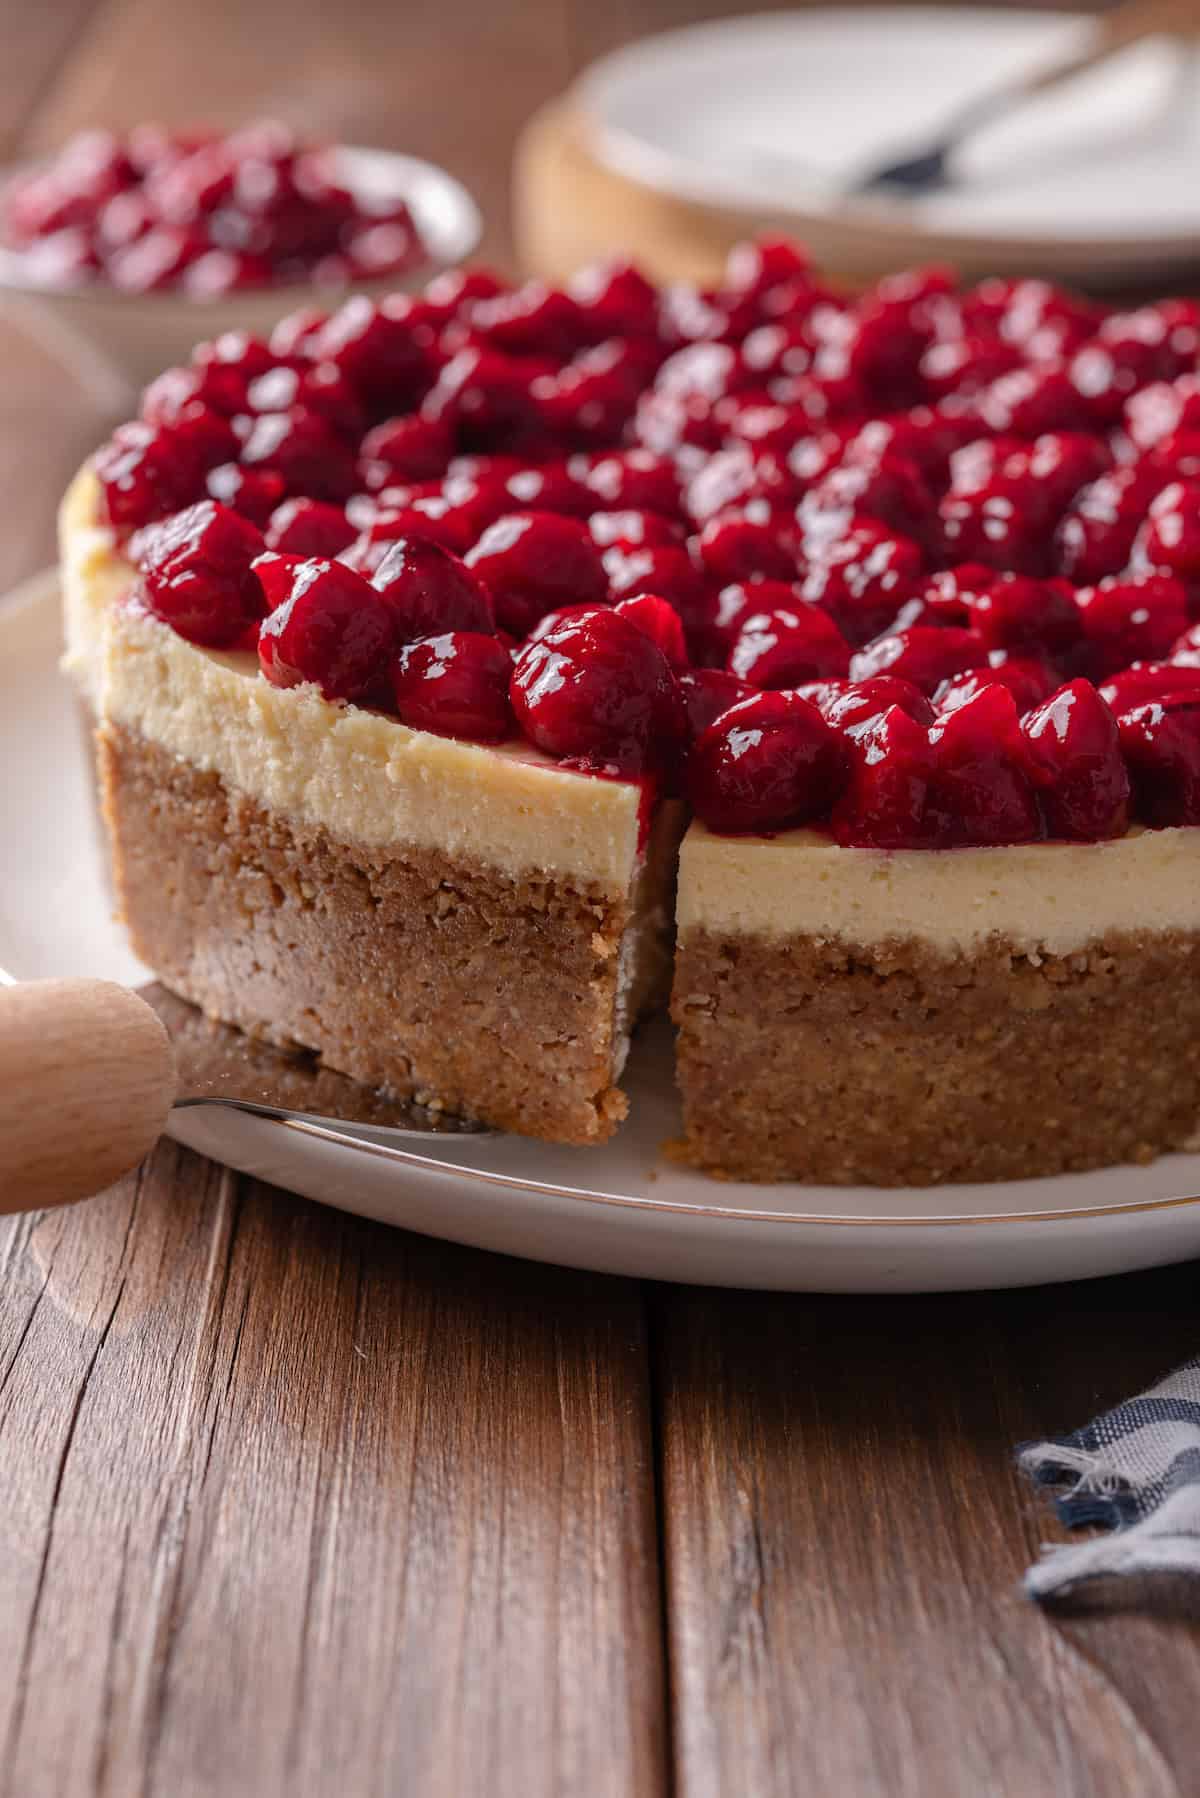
929, 168
90, 1072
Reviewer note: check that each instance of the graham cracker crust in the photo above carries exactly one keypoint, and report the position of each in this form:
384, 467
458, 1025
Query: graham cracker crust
454, 985
894, 1066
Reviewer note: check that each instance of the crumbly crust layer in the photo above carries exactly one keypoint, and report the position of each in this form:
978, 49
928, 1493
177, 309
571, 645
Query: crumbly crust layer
892, 1065
453, 984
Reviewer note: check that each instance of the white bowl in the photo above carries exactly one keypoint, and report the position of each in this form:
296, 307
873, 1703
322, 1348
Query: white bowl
117, 341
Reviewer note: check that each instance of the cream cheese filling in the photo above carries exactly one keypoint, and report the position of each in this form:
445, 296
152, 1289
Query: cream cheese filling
363, 777
1042, 898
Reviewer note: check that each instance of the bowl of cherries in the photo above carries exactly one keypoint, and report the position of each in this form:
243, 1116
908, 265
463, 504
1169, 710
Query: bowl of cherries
124, 248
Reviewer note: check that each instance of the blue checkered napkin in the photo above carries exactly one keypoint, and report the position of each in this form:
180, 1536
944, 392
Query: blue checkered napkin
1136, 1471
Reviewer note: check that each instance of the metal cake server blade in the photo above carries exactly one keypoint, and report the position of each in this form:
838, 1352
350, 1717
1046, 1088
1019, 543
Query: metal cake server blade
219, 1065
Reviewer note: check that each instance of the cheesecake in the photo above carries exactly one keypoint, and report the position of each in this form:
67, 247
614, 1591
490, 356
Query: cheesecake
474, 669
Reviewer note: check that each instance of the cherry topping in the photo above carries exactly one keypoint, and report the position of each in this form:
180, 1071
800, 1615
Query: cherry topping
708, 693
1073, 755
1170, 537
735, 547
981, 792
885, 803
309, 527
327, 625
411, 448
430, 591
925, 654
1027, 679
848, 705
196, 574
531, 562
1161, 745
597, 687
1148, 680
1016, 612
783, 648
455, 685
769, 762
143, 476
1131, 620
661, 623
254, 492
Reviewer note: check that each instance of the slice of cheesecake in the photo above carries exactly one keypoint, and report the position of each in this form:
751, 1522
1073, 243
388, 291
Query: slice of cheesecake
477, 928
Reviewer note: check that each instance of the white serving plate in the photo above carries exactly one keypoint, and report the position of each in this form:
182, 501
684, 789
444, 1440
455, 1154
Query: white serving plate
119, 341
772, 115
619, 1209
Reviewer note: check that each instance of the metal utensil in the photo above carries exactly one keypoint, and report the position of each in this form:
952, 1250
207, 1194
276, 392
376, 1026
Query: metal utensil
929, 168
90, 1071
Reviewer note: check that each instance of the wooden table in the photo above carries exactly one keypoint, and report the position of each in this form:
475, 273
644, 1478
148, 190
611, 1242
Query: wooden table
290, 1503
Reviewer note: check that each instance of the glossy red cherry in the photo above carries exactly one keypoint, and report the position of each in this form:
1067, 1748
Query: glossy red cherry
456, 685
615, 300
735, 547
1095, 537
531, 562
303, 448
430, 591
327, 625
254, 492
1131, 620
885, 804
768, 763
981, 793
1073, 755
1161, 745
783, 648
309, 527
1027, 679
863, 578
891, 489
849, 705
599, 689
633, 530
707, 694
591, 398
379, 353
143, 476
1170, 537
661, 623
965, 365
487, 399
669, 572
411, 448
630, 480
1018, 613
1146, 681
1161, 408
196, 574
926, 655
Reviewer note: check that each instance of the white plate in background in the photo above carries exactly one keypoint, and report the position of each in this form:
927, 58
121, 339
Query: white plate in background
620, 1209
774, 113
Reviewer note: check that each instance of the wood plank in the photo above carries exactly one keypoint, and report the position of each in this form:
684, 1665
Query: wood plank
292, 1502
845, 1533
36, 39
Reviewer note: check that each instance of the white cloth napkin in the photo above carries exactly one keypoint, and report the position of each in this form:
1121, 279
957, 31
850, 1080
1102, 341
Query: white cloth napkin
1136, 1471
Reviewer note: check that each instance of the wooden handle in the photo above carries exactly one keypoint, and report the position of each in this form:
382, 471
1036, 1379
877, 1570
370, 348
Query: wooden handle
87, 1077
1124, 25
